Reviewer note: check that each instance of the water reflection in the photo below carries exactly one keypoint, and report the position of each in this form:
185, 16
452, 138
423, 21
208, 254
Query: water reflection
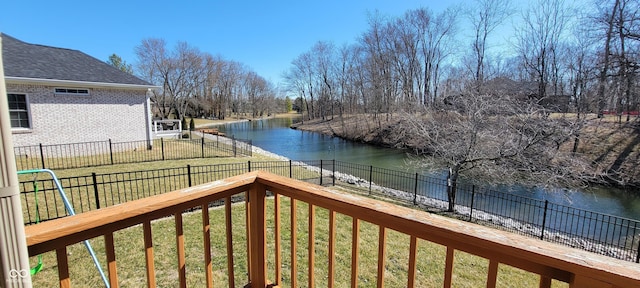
275, 135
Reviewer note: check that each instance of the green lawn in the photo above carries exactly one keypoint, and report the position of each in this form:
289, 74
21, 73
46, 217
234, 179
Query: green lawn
469, 271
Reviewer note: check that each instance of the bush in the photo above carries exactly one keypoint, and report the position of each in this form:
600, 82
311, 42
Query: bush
192, 125
184, 123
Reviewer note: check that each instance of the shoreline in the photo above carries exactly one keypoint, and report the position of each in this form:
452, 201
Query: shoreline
384, 137
483, 218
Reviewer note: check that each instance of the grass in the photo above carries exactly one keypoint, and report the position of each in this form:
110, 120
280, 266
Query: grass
469, 270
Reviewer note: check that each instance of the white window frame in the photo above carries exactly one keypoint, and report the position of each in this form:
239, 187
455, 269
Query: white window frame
28, 108
71, 91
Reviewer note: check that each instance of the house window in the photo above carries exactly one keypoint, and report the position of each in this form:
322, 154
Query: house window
19, 111
71, 91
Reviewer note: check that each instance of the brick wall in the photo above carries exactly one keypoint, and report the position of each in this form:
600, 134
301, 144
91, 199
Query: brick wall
116, 114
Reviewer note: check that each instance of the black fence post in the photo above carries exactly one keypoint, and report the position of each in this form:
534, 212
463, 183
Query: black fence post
415, 191
162, 147
189, 174
370, 177
202, 145
638, 256
333, 172
249, 166
233, 141
290, 169
473, 197
544, 219
95, 189
42, 156
320, 172
110, 151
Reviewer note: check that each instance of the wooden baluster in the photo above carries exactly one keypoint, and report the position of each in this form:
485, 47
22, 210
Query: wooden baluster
182, 269
413, 247
294, 260
148, 252
312, 246
229, 231
278, 260
492, 276
448, 269
545, 282
382, 239
206, 234
332, 247
111, 260
355, 231
63, 267
247, 218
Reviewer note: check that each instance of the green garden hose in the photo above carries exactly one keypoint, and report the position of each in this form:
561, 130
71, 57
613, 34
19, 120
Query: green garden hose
39, 266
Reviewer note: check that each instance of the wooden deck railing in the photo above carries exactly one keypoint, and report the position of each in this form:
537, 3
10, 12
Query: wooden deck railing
549, 261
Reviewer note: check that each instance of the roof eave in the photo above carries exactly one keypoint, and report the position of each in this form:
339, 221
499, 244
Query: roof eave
55, 82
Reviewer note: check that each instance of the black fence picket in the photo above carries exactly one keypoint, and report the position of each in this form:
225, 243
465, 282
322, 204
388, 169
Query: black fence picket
100, 153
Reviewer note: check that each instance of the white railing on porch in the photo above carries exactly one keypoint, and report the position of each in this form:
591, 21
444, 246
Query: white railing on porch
167, 128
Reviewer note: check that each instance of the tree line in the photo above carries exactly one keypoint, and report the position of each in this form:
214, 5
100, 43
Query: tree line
584, 58
197, 84
479, 109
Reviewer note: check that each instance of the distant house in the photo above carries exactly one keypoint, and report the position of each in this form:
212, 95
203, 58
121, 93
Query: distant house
59, 95
523, 91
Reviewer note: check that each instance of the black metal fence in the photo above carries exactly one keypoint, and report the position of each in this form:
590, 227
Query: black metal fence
98, 153
609, 235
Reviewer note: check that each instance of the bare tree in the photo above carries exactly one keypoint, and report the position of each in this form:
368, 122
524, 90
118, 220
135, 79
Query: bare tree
179, 73
538, 40
154, 66
496, 138
324, 67
433, 33
187, 75
485, 17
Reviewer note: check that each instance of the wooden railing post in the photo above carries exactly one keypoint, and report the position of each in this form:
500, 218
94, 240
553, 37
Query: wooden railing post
258, 239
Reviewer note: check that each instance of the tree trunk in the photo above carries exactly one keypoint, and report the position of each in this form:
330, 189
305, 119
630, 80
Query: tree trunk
605, 62
452, 186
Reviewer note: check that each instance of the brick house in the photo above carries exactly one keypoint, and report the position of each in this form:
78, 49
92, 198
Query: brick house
59, 95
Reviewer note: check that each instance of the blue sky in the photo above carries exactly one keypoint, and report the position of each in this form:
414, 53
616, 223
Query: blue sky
264, 35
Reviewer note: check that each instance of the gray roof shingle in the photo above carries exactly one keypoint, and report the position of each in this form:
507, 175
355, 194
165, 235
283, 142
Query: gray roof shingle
27, 60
